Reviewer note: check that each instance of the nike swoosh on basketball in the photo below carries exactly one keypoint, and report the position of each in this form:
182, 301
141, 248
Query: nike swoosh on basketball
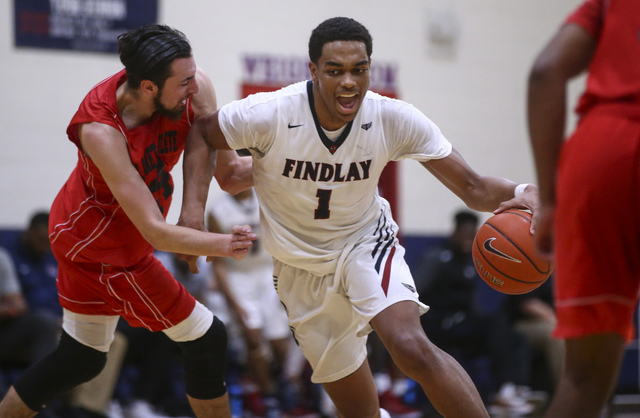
290, 126
487, 246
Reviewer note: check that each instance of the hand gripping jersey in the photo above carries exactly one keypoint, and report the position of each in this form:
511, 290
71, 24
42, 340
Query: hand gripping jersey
86, 223
318, 196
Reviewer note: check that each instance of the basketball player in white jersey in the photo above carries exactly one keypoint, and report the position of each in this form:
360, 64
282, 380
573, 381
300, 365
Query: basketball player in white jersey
318, 150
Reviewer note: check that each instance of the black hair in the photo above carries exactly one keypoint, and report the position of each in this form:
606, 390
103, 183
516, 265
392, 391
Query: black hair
465, 216
39, 219
148, 52
338, 29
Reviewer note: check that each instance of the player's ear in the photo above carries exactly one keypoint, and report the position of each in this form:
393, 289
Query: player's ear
149, 87
313, 68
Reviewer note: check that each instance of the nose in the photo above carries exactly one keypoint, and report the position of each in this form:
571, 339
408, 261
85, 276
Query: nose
194, 88
348, 81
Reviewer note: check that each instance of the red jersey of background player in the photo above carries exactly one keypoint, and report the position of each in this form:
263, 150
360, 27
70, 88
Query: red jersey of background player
86, 223
613, 75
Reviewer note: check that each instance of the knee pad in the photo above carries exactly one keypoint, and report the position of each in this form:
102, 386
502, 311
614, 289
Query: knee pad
70, 365
204, 361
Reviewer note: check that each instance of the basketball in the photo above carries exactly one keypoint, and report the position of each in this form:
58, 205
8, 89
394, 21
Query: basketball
504, 254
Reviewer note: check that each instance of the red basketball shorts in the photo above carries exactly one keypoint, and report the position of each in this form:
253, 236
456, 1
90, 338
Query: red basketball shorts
145, 294
597, 235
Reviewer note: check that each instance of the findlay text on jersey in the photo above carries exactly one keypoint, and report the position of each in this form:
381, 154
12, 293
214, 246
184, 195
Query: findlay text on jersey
316, 171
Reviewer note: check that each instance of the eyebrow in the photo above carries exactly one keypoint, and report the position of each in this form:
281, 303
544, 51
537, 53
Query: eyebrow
337, 64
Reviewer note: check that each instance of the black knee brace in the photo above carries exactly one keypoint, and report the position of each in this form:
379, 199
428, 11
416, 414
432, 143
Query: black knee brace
71, 364
204, 361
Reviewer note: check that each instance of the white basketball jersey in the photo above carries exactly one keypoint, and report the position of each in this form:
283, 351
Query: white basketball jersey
317, 196
230, 211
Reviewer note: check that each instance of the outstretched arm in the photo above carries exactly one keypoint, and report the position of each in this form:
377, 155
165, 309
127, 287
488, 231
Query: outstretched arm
482, 193
107, 149
566, 55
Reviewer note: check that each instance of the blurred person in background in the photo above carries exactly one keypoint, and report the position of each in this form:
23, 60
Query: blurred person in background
37, 269
448, 282
253, 303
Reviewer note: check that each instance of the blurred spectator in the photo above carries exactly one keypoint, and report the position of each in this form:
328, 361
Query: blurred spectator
146, 388
25, 335
37, 270
533, 315
253, 303
446, 279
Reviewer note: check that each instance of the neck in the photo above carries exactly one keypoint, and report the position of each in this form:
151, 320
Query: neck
324, 117
134, 108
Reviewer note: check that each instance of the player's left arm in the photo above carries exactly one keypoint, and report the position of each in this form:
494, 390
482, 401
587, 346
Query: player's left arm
232, 172
202, 161
565, 56
482, 193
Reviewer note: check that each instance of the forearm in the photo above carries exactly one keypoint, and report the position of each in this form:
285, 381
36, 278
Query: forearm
486, 194
482, 193
199, 166
546, 118
182, 240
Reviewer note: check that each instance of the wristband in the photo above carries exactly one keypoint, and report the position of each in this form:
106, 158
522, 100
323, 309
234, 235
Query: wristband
520, 189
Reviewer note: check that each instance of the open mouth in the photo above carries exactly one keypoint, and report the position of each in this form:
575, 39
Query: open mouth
348, 101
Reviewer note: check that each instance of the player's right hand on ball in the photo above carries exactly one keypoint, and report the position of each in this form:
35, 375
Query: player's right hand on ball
241, 241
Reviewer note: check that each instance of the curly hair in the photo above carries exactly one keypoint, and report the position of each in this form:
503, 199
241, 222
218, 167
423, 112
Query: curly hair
338, 29
148, 52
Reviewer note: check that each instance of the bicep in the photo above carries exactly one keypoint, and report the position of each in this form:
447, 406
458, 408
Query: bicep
208, 126
566, 55
204, 102
107, 149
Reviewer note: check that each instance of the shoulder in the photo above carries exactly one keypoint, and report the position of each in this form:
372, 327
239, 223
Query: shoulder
96, 137
590, 16
204, 102
261, 109
390, 108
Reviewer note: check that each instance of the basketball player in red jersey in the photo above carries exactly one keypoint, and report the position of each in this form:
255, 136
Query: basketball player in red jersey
590, 196
130, 131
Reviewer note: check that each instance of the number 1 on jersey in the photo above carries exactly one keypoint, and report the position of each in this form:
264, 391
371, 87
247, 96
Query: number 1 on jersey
322, 211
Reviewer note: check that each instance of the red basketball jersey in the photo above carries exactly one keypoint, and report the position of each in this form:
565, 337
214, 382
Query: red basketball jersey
613, 74
86, 223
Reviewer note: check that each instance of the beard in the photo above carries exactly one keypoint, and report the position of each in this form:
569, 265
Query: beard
174, 113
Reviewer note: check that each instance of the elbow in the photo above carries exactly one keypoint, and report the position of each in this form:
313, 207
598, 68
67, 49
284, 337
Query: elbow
546, 73
539, 75
157, 237
233, 186
234, 177
228, 185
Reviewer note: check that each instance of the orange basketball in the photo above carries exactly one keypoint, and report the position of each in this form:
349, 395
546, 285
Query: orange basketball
504, 254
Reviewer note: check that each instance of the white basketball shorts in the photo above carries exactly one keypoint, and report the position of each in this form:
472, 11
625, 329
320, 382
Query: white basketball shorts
329, 315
